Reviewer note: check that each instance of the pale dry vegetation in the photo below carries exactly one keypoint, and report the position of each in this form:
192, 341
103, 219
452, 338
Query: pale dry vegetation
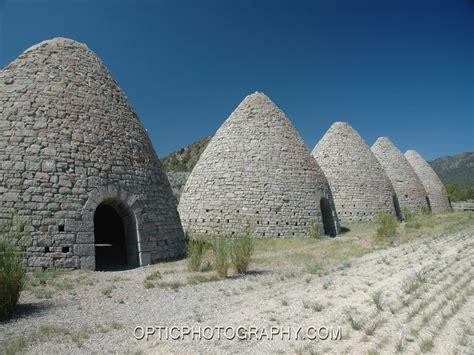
408, 293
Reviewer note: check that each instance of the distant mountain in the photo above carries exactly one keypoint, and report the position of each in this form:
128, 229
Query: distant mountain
455, 169
179, 164
184, 159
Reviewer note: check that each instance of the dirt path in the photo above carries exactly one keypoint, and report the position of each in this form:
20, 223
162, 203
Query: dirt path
412, 298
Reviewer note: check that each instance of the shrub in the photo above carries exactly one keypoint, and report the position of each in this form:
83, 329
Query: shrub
386, 225
241, 253
353, 318
425, 211
174, 285
195, 250
317, 307
344, 264
197, 279
414, 225
12, 277
149, 280
458, 192
12, 272
149, 284
377, 297
426, 345
411, 284
107, 292
407, 214
221, 249
313, 231
313, 267
156, 275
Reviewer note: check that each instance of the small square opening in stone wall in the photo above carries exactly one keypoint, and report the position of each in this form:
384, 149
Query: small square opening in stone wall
65, 249
61, 228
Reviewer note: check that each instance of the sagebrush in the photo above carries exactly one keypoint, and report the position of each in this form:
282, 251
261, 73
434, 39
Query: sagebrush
241, 253
195, 249
387, 225
407, 214
313, 231
221, 249
12, 271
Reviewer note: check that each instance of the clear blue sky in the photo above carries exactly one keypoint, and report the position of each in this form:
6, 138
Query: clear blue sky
402, 68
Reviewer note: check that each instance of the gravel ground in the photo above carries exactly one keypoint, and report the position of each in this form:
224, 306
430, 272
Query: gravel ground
423, 290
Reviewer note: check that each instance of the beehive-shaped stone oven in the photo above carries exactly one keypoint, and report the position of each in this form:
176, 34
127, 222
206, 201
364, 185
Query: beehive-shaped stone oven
360, 187
410, 191
77, 166
257, 174
437, 195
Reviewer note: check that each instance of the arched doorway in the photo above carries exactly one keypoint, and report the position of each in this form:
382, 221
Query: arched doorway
329, 222
115, 236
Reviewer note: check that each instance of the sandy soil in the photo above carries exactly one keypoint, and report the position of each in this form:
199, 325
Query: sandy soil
424, 291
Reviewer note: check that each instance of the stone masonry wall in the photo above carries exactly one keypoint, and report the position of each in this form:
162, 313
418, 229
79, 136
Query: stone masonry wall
437, 194
69, 140
360, 187
410, 191
256, 170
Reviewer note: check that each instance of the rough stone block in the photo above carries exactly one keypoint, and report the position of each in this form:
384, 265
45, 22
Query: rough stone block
88, 262
84, 250
43, 262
